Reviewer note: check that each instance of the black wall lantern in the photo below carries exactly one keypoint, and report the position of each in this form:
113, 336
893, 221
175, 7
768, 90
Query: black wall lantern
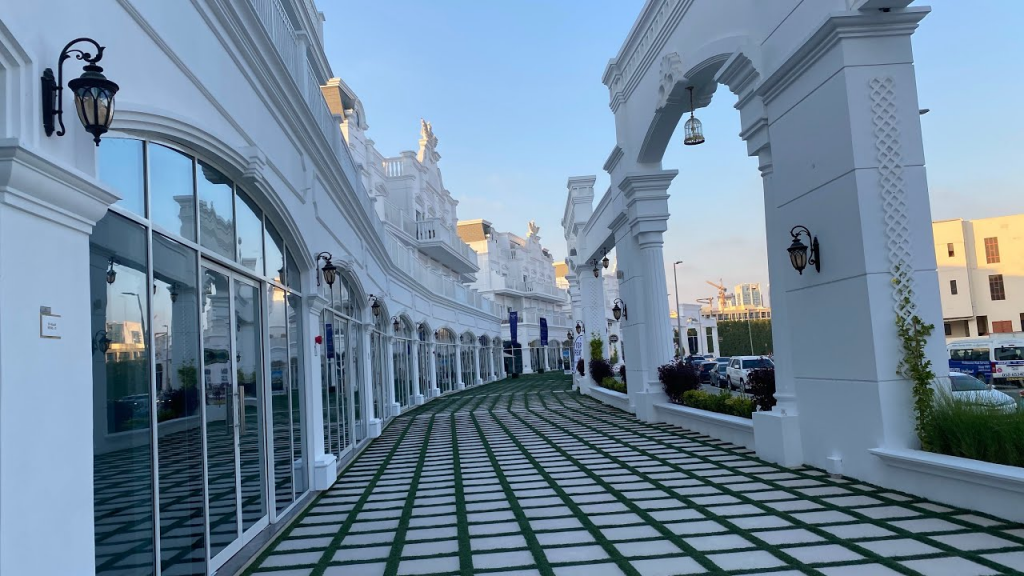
174, 292
618, 312
330, 271
100, 342
798, 250
374, 305
396, 324
605, 261
580, 327
568, 335
111, 273
94, 94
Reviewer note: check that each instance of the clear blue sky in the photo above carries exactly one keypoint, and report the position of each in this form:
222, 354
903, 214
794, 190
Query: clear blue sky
513, 89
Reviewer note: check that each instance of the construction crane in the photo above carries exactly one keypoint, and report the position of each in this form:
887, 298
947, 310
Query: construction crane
707, 301
721, 293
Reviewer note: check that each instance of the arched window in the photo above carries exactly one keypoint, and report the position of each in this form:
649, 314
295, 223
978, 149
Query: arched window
379, 372
447, 360
197, 336
341, 368
402, 353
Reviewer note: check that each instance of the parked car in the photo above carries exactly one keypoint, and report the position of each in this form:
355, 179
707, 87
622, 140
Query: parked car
705, 370
969, 389
718, 374
739, 368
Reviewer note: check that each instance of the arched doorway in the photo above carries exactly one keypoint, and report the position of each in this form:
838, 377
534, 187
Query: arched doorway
197, 360
467, 357
380, 380
447, 360
341, 367
403, 359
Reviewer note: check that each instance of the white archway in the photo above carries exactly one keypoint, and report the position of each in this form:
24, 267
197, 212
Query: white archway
834, 124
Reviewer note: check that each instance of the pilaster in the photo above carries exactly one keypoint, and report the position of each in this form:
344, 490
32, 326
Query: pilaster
647, 212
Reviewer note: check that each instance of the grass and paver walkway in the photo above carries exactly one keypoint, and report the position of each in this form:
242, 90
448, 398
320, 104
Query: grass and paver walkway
524, 477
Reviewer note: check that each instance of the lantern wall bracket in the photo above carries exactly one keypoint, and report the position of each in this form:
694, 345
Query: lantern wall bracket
814, 257
53, 102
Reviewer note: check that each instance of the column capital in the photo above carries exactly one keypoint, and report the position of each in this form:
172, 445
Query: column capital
648, 184
316, 302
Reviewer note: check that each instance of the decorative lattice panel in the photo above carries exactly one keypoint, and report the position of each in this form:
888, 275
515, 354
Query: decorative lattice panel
894, 193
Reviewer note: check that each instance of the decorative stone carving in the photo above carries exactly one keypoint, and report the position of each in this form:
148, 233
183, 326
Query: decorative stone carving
534, 231
894, 195
671, 72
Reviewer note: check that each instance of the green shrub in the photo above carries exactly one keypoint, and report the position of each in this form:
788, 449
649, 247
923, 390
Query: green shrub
677, 378
761, 385
723, 403
596, 347
613, 384
958, 428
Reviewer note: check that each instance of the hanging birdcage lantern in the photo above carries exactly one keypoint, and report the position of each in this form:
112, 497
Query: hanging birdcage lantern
694, 132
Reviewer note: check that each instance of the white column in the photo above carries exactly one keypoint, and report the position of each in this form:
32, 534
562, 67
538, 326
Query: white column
434, 390
592, 313
417, 397
527, 356
46, 416
714, 341
374, 421
389, 383
325, 465
459, 384
476, 364
544, 351
647, 213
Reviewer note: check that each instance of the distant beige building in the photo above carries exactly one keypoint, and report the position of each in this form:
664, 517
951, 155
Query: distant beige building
981, 275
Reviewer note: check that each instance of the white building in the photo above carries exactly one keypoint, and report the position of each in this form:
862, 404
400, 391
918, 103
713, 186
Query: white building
981, 275
693, 320
748, 295
207, 306
519, 275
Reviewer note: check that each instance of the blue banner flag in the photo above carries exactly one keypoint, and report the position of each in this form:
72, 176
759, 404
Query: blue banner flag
543, 331
513, 324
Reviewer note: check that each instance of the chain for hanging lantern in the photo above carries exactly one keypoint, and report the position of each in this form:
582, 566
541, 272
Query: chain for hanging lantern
694, 132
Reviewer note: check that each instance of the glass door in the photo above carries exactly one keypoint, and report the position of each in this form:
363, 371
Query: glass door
232, 329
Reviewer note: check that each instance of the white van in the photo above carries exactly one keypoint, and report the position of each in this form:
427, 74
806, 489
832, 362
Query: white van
992, 359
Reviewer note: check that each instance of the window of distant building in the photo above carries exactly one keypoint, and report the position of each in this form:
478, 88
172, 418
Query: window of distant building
952, 287
949, 249
1002, 327
948, 329
982, 325
995, 287
992, 250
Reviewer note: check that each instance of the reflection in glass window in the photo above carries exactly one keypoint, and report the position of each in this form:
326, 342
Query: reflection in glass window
280, 397
179, 433
171, 198
122, 408
249, 219
216, 216
274, 250
120, 166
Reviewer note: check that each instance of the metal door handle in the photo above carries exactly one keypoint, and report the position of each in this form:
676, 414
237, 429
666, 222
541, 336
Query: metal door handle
241, 409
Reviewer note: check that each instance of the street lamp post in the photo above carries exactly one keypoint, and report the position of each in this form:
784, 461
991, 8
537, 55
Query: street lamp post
679, 320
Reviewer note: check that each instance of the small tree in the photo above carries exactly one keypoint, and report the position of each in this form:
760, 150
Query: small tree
761, 385
677, 378
615, 356
596, 347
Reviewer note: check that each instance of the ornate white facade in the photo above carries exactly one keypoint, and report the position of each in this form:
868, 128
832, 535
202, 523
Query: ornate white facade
201, 375
518, 273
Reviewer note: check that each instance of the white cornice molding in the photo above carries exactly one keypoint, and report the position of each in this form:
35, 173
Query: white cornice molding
836, 27
50, 189
613, 159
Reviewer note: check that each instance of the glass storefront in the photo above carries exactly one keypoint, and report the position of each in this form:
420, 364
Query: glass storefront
447, 360
467, 362
402, 353
340, 372
195, 342
379, 365
424, 356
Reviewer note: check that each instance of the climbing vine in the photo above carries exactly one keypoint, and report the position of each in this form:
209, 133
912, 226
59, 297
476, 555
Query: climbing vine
915, 366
